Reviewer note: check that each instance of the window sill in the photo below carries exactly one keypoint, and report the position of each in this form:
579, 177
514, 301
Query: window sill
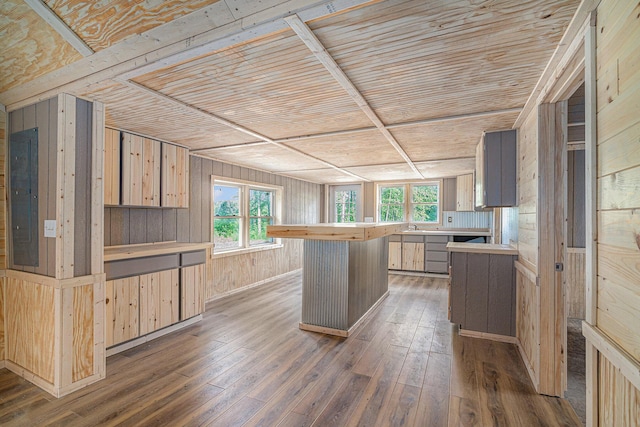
243, 251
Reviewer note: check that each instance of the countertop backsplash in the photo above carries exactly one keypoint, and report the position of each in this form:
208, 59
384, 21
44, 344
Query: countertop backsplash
467, 219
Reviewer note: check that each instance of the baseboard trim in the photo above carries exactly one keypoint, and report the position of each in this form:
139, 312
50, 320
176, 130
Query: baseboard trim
252, 285
488, 336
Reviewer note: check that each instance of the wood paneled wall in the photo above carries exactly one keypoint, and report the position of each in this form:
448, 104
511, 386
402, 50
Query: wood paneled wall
45, 116
618, 201
528, 192
575, 282
528, 320
3, 227
302, 203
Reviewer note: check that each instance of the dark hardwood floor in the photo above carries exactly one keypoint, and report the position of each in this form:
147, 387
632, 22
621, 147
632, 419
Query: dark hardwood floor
247, 363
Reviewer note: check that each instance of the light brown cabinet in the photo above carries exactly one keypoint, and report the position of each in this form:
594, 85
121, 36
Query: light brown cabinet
111, 167
140, 171
395, 253
159, 300
121, 306
413, 254
465, 192
175, 176
192, 290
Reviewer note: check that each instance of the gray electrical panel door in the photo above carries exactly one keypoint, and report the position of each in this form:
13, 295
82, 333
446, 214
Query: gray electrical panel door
23, 166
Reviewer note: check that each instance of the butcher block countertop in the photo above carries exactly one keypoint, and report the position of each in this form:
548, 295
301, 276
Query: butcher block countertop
114, 253
481, 248
358, 231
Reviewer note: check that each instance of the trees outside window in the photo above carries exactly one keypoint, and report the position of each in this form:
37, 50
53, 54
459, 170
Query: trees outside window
422, 204
241, 213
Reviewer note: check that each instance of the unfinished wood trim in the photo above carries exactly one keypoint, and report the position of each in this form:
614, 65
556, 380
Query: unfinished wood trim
52, 281
191, 109
591, 225
553, 68
315, 46
180, 40
626, 363
59, 26
65, 186
97, 188
31, 377
488, 336
66, 336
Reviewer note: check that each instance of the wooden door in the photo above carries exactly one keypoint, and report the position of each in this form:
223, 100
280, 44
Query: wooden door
175, 176
192, 290
140, 171
111, 167
159, 300
121, 307
395, 255
413, 256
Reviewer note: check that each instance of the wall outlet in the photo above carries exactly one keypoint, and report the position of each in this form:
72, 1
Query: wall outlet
449, 219
368, 219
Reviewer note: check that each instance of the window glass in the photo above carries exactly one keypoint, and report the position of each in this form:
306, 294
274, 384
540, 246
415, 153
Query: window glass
424, 203
227, 223
260, 210
392, 204
345, 206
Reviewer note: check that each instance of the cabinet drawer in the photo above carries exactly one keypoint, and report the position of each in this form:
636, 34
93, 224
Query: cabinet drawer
437, 247
137, 266
437, 239
192, 258
395, 238
437, 256
413, 239
437, 267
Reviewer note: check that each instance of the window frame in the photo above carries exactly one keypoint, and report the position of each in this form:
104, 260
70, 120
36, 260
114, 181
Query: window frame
408, 204
245, 216
333, 189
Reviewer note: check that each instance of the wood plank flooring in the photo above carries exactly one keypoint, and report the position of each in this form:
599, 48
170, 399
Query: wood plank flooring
248, 364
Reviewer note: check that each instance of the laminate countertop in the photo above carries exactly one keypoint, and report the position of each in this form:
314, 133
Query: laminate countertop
114, 253
450, 232
481, 248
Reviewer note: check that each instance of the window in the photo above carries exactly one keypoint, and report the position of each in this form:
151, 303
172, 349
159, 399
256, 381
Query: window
422, 204
241, 213
345, 201
392, 206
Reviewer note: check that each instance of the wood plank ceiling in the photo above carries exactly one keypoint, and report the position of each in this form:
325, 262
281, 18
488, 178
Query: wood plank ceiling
330, 92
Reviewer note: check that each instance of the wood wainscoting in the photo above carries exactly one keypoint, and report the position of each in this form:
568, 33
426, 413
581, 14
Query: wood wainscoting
55, 330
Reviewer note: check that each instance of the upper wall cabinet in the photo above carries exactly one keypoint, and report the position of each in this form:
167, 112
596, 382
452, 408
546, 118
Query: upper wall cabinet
140, 171
111, 167
175, 176
496, 170
464, 192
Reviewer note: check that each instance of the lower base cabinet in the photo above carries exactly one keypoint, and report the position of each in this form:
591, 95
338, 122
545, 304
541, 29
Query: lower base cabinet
192, 289
121, 306
159, 300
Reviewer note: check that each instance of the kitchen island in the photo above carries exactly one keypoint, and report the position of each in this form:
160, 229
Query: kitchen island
344, 272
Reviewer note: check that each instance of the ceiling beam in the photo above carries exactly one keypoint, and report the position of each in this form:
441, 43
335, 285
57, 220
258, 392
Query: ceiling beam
190, 109
201, 32
60, 26
373, 128
316, 47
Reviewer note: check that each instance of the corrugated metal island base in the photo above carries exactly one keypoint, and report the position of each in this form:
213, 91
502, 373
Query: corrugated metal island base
345, 272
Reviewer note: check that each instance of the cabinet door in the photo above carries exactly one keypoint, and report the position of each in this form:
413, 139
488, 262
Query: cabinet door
121, 307
464, 193
140, 171
111, 167
395, 255
192, 290
449, 190
413, 256
159, 300
175, 176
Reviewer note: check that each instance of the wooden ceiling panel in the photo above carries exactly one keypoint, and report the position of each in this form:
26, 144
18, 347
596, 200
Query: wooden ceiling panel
321, 176
414, 59
356, 149
273, 86
449, 139
264, 157
30, 47
386, 172
129, 109
446, 168
104, 23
